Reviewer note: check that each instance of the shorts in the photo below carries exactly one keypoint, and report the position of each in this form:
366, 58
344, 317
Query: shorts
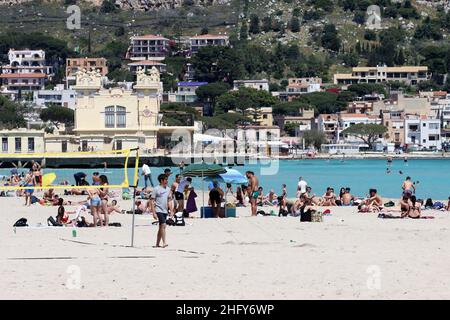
95, 202
162, 217
179, 195
29, 190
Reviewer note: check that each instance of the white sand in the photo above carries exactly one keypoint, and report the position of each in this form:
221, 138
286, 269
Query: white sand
347, 256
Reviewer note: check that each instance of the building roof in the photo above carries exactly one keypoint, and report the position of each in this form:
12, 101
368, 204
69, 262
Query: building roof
251, 81
23, 75
330, 116
146, 63
353, 115
85, 58
391, 69
345, 76
190, 84
210, 36
149, 37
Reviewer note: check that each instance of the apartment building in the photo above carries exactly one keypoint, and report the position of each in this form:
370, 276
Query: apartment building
304, 121
22, 141
298, 86
411, 75
422, 132
26, 71
73, 65
204, 40
394, 121
146, 65
148, 47
328, 124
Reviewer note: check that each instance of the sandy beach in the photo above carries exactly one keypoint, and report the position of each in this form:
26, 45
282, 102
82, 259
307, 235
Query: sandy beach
347, 256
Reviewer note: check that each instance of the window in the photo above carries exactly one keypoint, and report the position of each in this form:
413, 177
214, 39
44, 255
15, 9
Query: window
31, 144
115, 117
5, 144
121, 116
424, 125
109, 117
18, 144
434, 126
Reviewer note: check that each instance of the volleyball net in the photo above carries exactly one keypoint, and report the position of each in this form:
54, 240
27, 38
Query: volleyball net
65, 178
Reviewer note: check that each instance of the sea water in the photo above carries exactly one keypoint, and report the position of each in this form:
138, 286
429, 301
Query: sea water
431, 176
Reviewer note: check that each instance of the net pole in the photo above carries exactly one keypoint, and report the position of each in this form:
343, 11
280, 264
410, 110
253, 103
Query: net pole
135, 182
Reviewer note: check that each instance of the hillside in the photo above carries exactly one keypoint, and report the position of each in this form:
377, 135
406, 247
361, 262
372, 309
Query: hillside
314, 37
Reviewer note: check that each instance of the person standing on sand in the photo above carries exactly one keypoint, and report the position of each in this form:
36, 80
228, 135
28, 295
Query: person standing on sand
252, 190
147, 173
301, 187
159, 207
408, 186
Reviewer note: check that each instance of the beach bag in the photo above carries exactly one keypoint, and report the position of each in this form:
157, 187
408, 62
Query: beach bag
82, 223
22, 222
115, 224
316, 216
305, 216
283, 212
179, 219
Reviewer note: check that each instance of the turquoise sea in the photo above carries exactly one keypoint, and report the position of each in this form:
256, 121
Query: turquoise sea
432, 177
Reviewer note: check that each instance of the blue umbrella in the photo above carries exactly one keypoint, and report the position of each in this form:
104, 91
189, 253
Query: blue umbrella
231, 176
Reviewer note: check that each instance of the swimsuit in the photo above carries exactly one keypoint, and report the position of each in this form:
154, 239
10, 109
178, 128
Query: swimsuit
255, 194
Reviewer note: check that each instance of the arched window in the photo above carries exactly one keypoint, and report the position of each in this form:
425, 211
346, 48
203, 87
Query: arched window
115, 117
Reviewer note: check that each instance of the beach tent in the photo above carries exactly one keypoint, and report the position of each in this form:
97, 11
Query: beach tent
203, 170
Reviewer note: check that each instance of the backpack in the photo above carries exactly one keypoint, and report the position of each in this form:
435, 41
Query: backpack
22, 222
179, 219
305, 216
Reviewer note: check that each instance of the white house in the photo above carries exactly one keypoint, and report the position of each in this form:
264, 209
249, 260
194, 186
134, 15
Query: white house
59, 96
422, 132
262, 84
346, 120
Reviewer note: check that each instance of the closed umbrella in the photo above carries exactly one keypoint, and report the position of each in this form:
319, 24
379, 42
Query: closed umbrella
203, 170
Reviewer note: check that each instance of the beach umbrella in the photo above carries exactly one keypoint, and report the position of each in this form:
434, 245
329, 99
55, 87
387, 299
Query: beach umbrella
203, 170
230, 176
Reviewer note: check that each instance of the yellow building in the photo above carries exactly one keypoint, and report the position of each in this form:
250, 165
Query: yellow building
22, 141
119, 118
411, 75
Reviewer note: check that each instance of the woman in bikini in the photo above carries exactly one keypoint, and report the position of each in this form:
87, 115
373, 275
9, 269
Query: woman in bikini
414, 210
405, 205
29, 181
103, 193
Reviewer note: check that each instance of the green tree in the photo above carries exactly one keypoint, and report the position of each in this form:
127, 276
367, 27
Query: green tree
108, 6
361, 89
211, 91
294, 24
323, 102
330, 38
351, 59
215, 64
243, 33
12, 114
254, 24
290, 129
267, 24
204, 30
314, 138
243, 99
369, 133
57, 115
